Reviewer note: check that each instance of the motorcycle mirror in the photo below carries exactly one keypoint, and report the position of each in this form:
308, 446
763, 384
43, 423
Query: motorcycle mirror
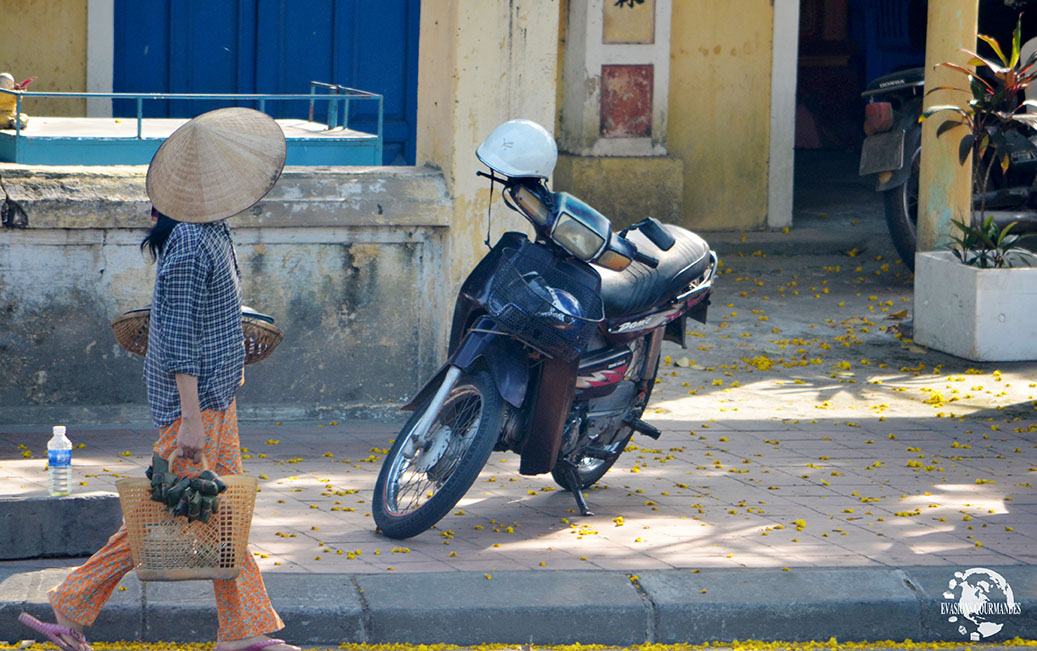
656, 234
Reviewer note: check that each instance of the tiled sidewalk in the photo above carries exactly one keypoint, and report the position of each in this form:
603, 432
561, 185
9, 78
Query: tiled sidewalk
738, 493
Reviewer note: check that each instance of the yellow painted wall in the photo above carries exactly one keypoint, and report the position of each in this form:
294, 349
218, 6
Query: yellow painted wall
719, 109
480, 64
46, 38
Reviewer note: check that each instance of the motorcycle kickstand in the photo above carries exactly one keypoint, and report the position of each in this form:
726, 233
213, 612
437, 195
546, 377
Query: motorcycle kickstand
574, 487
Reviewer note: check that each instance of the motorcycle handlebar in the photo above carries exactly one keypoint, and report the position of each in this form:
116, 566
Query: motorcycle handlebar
646, 259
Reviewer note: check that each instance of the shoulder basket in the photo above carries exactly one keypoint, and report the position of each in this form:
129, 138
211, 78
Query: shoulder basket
261, 335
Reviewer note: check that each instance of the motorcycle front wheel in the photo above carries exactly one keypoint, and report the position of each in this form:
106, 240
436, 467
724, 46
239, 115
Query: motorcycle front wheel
901, 206
414, 493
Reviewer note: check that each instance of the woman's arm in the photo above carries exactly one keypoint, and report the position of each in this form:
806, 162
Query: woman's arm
190, 439
182, 275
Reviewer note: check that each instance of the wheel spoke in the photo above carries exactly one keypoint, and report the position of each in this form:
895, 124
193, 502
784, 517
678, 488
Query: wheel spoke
457, 422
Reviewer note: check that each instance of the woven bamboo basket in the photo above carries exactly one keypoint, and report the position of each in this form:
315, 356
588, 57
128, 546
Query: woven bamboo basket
169, 548
261, 335
131, 330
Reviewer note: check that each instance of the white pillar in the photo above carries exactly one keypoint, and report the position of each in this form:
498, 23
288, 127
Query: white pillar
100, 55
785, 55
590, 47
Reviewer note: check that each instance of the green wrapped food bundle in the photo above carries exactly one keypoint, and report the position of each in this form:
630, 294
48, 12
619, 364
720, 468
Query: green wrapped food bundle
195, 498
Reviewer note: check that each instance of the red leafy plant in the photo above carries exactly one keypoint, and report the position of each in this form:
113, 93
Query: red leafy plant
996, 109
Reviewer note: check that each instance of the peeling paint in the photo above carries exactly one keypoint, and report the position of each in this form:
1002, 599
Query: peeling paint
346, 189
351, 297
364, 254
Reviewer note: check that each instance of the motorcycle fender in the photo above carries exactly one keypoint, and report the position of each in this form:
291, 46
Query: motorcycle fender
427, 389
912, 141
676, 331
898, 177
549, 410
699, 311
504, 357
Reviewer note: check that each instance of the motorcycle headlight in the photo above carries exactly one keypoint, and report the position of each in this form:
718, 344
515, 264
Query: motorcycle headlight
576, 237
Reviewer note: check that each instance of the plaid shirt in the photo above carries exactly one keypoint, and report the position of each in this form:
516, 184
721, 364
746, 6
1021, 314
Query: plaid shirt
195, 325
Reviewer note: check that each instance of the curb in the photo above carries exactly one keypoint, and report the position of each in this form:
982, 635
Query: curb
68, 526
561, 607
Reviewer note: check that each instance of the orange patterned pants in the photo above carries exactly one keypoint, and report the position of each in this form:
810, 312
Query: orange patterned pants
242, 604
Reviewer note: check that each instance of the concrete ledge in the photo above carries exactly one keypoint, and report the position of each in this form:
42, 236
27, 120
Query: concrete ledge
556, 607
338, 255
115, 197
723, 605
74, 525
930, 583
120, 619
317, 608
466, 608
184, 611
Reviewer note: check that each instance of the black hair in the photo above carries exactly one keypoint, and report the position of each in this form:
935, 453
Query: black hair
155, 240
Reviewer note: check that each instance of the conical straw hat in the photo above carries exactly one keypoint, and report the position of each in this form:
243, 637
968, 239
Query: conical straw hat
217, 165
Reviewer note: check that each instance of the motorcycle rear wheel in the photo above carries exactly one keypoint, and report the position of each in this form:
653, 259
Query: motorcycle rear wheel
901, 207
591, 470
411, 495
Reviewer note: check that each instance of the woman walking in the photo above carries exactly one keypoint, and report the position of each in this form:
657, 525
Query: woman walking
214, 166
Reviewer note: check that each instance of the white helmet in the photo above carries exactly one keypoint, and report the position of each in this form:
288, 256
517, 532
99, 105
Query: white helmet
519, 148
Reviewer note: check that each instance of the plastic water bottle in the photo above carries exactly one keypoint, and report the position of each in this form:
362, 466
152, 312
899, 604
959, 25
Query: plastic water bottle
59, 461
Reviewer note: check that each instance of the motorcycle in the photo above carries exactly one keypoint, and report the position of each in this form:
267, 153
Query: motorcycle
892, 152
549, 357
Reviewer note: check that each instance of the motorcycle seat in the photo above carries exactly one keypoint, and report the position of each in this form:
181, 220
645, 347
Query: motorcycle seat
894, 81
639, 288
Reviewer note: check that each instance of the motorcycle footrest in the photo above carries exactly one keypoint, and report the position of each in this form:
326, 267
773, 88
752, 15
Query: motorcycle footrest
598, 453
642, 427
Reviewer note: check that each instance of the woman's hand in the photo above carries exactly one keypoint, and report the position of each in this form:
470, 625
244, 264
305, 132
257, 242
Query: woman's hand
190, 439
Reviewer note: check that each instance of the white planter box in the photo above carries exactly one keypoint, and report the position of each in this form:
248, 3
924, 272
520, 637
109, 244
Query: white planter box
986, 315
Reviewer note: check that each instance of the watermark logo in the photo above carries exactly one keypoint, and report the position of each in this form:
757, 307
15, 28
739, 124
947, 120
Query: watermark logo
979, 600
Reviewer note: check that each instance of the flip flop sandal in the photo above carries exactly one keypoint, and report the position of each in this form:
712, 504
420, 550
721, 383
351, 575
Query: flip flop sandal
258, 646
53, 632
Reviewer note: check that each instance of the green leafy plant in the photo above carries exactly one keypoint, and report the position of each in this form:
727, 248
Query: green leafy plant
987, 246
997, 106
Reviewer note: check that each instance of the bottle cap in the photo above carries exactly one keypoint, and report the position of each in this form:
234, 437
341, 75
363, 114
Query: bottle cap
59, 430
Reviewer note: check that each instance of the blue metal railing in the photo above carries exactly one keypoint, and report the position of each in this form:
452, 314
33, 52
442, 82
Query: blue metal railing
337, 96
347, 95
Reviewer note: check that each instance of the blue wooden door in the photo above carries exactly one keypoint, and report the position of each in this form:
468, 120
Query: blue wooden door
273, 46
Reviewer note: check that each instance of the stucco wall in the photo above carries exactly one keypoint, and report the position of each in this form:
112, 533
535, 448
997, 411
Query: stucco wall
46, 38
720, 110
359, 267
482, 63
347, 260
